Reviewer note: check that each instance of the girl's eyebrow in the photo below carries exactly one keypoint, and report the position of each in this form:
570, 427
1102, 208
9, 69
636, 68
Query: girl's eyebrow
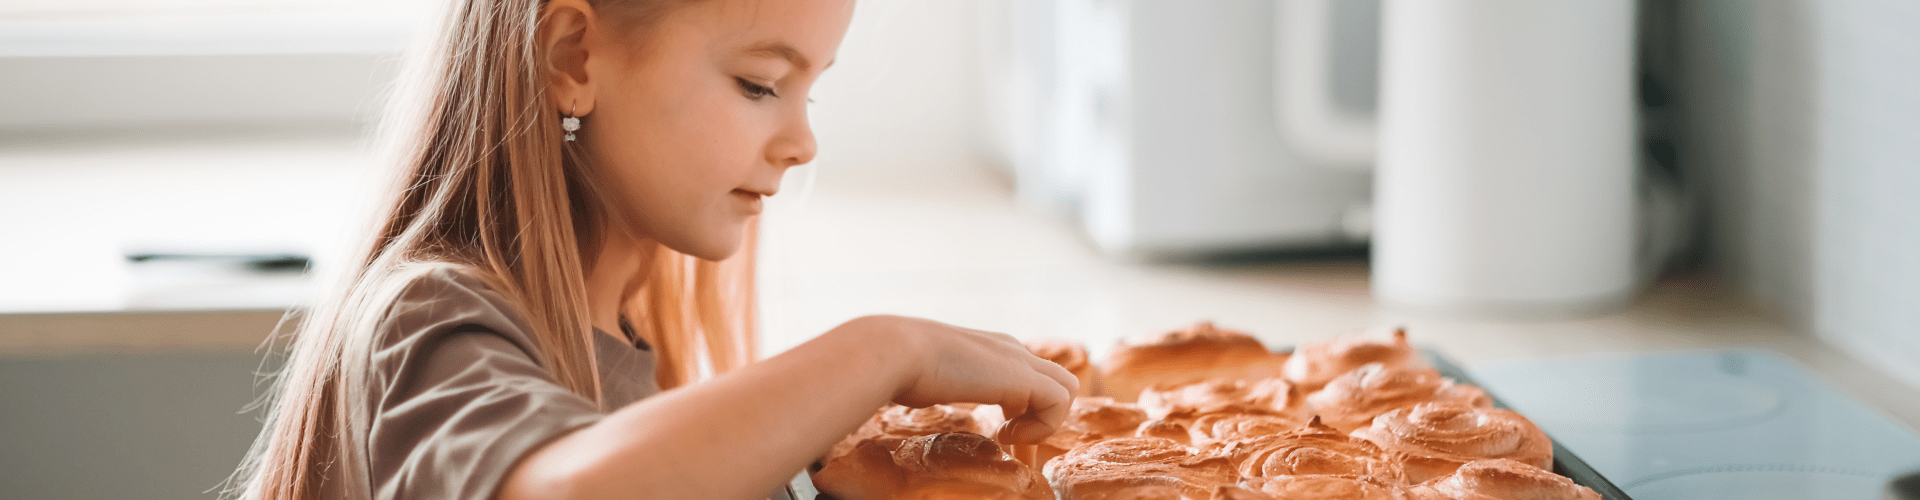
781, 50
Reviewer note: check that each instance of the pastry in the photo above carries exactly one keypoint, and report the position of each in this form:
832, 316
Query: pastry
1267, 395
1194, 354
1092, 419
1314, 365
1138, 467
1219, 428
1352, 400
1323, 488
859, 454
1222, 409
1501, 479
864, 472
1237, 492
1174, 430
1316, 450
1437, 438
964, 465
1073, 357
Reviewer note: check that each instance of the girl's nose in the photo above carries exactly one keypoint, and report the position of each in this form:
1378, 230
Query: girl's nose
795, 145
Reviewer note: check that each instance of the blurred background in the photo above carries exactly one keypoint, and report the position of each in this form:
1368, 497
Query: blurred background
172, 171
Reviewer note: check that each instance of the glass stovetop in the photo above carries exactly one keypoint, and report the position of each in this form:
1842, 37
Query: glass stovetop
1736, 424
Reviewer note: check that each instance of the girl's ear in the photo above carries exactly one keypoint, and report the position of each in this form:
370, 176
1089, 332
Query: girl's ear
564, 46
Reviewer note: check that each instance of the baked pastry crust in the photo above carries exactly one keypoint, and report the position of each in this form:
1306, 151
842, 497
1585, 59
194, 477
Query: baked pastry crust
1316, 450
1193, 354
1439, 437
1092, 419
965, 465
1138, 467
1355, 398
1314, 365
1501, 479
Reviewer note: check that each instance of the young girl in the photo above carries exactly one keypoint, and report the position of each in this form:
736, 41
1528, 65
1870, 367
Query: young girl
563, 260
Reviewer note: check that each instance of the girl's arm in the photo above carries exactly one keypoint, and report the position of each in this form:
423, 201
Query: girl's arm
744, 433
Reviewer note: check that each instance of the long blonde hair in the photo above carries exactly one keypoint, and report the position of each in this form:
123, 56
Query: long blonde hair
488, 184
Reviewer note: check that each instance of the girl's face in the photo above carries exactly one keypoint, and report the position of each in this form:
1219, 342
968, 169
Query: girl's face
694, 121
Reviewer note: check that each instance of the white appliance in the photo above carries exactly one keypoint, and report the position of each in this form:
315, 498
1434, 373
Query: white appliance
1155, 123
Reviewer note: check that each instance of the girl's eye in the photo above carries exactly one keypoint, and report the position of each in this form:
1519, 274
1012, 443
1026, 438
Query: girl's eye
754, 91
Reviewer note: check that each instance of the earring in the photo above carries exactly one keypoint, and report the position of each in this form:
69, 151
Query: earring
570, 123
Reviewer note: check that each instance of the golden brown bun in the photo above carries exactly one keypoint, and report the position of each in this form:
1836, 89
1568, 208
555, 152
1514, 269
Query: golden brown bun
1221, 428
1437, 438
1501, 479
864, 472
1352, 400
1237, 492
1316, 450
965, 465
1073, 357
1174, 430
1195, 354
1218, 410
1092, 419
1314, 365
855, 456
1138, 467
1272, 396
1323, 488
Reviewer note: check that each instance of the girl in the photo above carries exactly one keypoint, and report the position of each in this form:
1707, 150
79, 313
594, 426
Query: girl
557, 269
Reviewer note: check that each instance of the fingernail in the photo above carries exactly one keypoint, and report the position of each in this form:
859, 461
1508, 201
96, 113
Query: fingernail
1027, 431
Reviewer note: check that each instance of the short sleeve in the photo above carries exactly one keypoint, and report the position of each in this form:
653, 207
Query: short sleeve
461, 396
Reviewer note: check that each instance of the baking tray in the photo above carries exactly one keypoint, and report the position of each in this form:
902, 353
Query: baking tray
1565, 463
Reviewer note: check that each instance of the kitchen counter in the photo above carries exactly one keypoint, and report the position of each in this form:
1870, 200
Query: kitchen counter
948, 243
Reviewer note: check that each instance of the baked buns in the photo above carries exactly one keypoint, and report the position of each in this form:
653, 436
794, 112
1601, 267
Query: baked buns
1314, 365
1174, 430
1273, 396
1218, 417
964, 465
1220, 428
1437, 438
1237, 492
1322, 488
1316, 450
1138, 467
1501, 479
1092, 419
1352, 400
855, 468
865, 471
1197, 353
1073, 357
897, 422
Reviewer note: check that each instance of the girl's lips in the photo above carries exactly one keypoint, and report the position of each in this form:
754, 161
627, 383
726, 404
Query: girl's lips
752, 199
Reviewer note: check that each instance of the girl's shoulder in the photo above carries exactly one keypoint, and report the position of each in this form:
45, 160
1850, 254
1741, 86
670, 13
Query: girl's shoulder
427, 301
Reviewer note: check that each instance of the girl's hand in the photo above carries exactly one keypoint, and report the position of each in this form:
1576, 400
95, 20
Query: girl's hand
943, 363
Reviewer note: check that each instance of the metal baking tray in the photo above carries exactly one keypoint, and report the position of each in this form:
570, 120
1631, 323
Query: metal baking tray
1565, 463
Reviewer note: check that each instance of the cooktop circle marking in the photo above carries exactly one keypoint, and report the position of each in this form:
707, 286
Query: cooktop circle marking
1758, 482
1605, 399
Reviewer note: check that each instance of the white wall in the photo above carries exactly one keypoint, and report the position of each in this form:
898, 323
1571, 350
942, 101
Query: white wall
1866, 180
905, 92
1806, 114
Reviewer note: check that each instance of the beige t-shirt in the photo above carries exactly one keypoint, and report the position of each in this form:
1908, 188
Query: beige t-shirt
460, 394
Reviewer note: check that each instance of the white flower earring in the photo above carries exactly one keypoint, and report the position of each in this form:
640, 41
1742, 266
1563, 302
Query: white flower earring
570, 123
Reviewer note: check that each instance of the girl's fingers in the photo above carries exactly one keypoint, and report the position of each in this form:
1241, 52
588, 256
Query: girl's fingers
1045, 409
1059, 374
